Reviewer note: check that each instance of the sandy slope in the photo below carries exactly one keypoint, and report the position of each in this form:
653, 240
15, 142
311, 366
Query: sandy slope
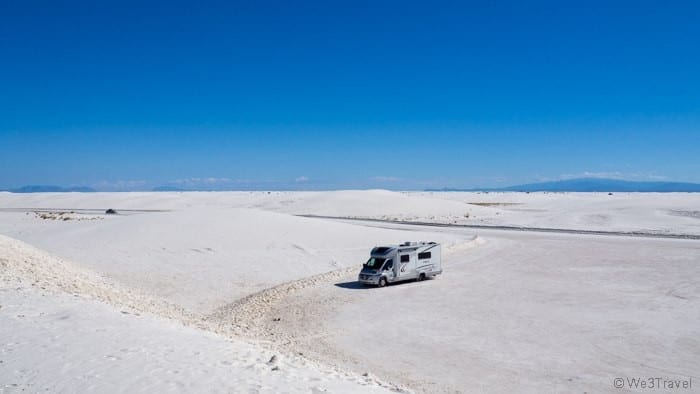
60, 343
66, 330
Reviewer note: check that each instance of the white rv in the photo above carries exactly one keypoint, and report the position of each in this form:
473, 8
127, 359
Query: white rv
408, 261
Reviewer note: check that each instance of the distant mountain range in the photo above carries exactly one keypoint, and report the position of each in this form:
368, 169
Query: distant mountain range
593, 185
569, 185
168, 189
52, 189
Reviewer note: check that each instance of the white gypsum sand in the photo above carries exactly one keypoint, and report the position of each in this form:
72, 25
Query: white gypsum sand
525, 311
57, 336
518, 313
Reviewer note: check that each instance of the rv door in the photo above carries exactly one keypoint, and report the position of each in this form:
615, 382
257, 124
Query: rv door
407, 265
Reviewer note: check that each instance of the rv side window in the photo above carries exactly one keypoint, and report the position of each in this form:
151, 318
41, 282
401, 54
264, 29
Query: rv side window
424, 255
389, 265
405, 258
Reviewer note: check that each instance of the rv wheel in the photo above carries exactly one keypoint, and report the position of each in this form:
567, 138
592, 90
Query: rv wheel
382, 282
421, 277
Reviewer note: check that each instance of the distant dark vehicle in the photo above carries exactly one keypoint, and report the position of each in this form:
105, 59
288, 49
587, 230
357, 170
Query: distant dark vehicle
110, 211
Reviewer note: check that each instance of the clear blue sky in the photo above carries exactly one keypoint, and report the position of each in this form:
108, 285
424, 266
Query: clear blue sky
347, 94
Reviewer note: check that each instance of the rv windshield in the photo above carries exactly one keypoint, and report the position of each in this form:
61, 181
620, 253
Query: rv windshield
374, 263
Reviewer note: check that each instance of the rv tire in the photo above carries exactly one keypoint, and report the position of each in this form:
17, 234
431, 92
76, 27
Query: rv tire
382, 282
421, 277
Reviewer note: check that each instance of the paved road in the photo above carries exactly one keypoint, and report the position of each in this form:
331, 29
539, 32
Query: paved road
515, 228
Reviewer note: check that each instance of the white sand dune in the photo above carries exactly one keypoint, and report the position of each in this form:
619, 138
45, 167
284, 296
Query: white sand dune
379, 204
204, 257
641, 212
645, 212
215, 284
651, 212
57, 336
